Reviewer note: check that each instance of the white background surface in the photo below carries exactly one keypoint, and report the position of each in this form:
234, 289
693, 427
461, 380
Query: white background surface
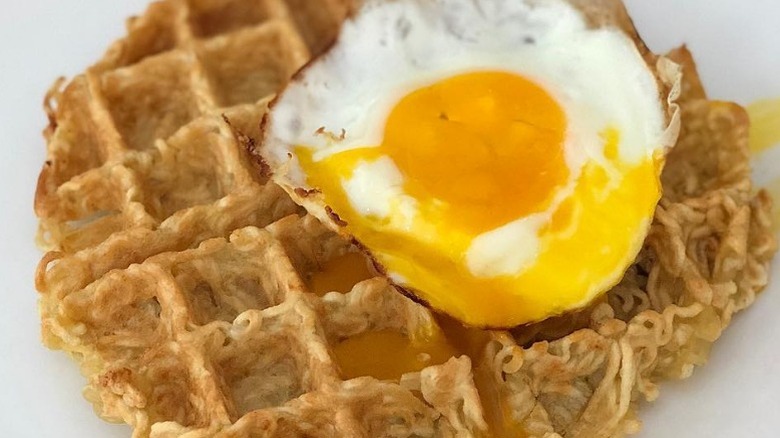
737, 44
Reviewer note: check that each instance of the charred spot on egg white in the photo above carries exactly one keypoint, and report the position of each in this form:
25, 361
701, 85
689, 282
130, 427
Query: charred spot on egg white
499, 181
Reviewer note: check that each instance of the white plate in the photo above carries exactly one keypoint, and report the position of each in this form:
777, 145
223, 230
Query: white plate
736, 43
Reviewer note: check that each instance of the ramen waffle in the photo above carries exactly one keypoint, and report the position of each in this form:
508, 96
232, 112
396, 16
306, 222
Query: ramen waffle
181, 280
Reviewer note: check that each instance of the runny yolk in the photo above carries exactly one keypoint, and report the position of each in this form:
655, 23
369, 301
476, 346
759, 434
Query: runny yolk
388, 354
472, 342
383, 354
471, 135
467, 340
764, 135
478, 151
340, 274
764, 124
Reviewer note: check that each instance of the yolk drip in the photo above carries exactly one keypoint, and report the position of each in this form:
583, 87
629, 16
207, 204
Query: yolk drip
477, 151
764, 135
340, 274
462, 140
497, 411
472, 342
466, 340
383, 354
388, 354
764, 125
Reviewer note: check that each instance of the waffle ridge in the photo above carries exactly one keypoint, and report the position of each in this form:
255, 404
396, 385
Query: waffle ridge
176, 273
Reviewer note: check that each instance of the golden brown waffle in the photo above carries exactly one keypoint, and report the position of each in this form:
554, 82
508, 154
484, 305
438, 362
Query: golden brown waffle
183, 314
180, 279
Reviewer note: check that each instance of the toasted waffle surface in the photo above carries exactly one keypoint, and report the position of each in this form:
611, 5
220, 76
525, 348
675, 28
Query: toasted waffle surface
181, 280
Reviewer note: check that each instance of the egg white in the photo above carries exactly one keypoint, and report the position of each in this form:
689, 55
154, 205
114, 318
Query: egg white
396, 47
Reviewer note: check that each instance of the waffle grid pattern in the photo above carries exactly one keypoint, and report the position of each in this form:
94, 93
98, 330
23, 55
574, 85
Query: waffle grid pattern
188, 316
120, 151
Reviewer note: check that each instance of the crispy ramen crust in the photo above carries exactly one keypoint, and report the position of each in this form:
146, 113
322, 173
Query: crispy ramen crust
176, 276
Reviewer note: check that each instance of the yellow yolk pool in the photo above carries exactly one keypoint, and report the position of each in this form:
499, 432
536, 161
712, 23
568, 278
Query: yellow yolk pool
764, 124
340, 274
765, 135
388, 354
383, 354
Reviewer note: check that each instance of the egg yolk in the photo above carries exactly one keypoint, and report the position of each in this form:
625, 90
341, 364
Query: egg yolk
463, 140
389, 354
340, 274
382, 354
480, 150
764, 125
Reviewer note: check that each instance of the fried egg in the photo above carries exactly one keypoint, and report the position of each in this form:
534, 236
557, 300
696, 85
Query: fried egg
498, 159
